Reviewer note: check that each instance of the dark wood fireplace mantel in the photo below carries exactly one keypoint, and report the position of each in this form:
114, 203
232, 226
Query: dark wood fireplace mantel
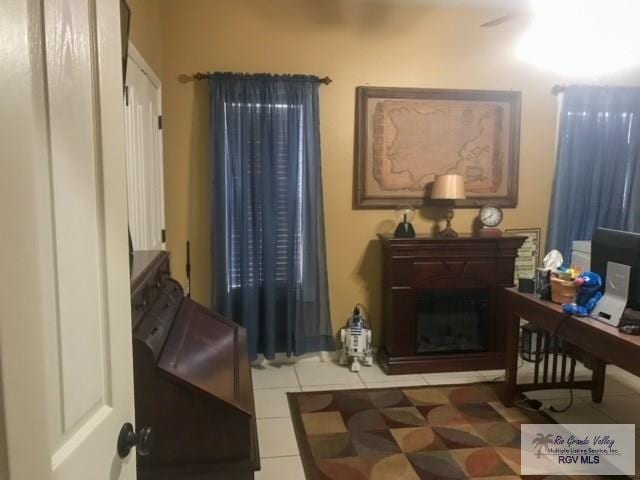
439, 302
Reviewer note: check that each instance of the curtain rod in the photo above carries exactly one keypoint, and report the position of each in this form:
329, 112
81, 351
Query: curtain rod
557, 89
205, 75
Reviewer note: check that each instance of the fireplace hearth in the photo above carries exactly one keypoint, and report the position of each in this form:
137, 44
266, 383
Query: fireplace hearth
439, 302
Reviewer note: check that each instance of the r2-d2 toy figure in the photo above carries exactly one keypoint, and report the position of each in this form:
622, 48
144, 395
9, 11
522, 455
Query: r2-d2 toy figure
356, 342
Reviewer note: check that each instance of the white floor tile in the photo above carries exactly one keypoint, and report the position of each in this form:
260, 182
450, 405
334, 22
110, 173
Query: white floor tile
624, 377
318, 357
325, 373
280, 360
397, 383
622, 408
344, 386
580, 367
375, 374
276, 438
493, 379
582, 372
614, 386
273, 402
451, 378
525, 373
283, 359
280, 468
492, 375
559, 394
582, 411
272, 376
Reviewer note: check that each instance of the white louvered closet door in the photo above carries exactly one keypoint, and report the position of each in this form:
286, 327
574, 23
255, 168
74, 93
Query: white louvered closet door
145, 178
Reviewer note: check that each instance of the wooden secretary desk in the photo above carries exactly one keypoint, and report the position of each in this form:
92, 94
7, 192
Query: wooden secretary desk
192, 382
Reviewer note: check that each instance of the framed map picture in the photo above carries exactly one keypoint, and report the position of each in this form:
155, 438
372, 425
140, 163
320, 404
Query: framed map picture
405, 137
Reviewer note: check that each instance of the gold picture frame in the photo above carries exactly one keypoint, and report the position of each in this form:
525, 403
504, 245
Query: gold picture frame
407, 136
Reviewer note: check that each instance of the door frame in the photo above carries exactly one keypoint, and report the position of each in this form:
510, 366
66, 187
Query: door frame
136, 57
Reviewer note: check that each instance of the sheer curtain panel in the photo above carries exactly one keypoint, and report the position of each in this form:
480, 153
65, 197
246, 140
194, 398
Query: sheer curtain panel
597, 180
268, 242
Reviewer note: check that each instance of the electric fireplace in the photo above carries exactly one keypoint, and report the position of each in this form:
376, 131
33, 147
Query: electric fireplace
440, 302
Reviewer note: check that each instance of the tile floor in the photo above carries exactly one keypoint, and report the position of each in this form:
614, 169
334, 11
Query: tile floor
278, 448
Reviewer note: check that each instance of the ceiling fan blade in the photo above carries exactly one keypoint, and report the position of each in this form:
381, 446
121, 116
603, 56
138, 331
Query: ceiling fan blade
500, 20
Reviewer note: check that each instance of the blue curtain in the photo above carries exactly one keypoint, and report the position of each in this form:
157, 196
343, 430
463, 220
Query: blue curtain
597, 180
268, 242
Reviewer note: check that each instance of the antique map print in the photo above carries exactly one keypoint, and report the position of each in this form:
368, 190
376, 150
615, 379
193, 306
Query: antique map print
410, 141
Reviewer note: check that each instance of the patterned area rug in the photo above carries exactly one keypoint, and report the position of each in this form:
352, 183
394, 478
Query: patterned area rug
412, 433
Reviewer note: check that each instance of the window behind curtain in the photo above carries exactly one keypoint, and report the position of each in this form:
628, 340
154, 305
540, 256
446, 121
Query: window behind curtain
597, 178
268, 247
282, 168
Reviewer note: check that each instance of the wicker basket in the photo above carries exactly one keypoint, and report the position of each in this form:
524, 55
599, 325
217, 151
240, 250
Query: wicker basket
562, 291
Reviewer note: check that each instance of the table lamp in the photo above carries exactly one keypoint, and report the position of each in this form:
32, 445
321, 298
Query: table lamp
448, 187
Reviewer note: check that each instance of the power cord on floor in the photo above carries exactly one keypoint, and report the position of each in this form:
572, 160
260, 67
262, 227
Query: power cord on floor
569, 405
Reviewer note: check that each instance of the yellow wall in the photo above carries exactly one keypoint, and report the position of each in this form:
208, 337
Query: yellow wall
145, 31
355, 43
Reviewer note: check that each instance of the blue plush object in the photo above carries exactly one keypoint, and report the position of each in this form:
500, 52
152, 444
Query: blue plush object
588, 295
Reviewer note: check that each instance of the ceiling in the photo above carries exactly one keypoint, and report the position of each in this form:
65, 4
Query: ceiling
460, 3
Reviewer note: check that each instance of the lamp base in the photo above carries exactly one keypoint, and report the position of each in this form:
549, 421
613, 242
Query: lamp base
448, 232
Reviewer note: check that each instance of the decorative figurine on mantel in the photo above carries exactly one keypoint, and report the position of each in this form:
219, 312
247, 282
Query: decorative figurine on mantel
449, 187
404, 228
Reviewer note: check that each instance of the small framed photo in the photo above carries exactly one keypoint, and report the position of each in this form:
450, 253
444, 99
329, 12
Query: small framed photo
528, 259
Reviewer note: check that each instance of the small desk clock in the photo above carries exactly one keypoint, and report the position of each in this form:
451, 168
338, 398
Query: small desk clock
490, 217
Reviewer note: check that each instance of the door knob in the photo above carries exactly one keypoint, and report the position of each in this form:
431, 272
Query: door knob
129, 438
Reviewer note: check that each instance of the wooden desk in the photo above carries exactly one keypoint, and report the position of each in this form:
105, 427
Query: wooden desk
605, 343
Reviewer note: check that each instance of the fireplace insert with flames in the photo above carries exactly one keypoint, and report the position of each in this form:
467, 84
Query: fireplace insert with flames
452, 321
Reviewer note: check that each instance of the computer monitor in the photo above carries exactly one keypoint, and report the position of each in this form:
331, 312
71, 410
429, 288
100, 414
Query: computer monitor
617, 246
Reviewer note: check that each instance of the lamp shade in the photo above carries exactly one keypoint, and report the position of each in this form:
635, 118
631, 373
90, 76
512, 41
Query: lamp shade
448, 187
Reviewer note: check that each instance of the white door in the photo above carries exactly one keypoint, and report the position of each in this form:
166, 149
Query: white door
65, 328
143, 134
